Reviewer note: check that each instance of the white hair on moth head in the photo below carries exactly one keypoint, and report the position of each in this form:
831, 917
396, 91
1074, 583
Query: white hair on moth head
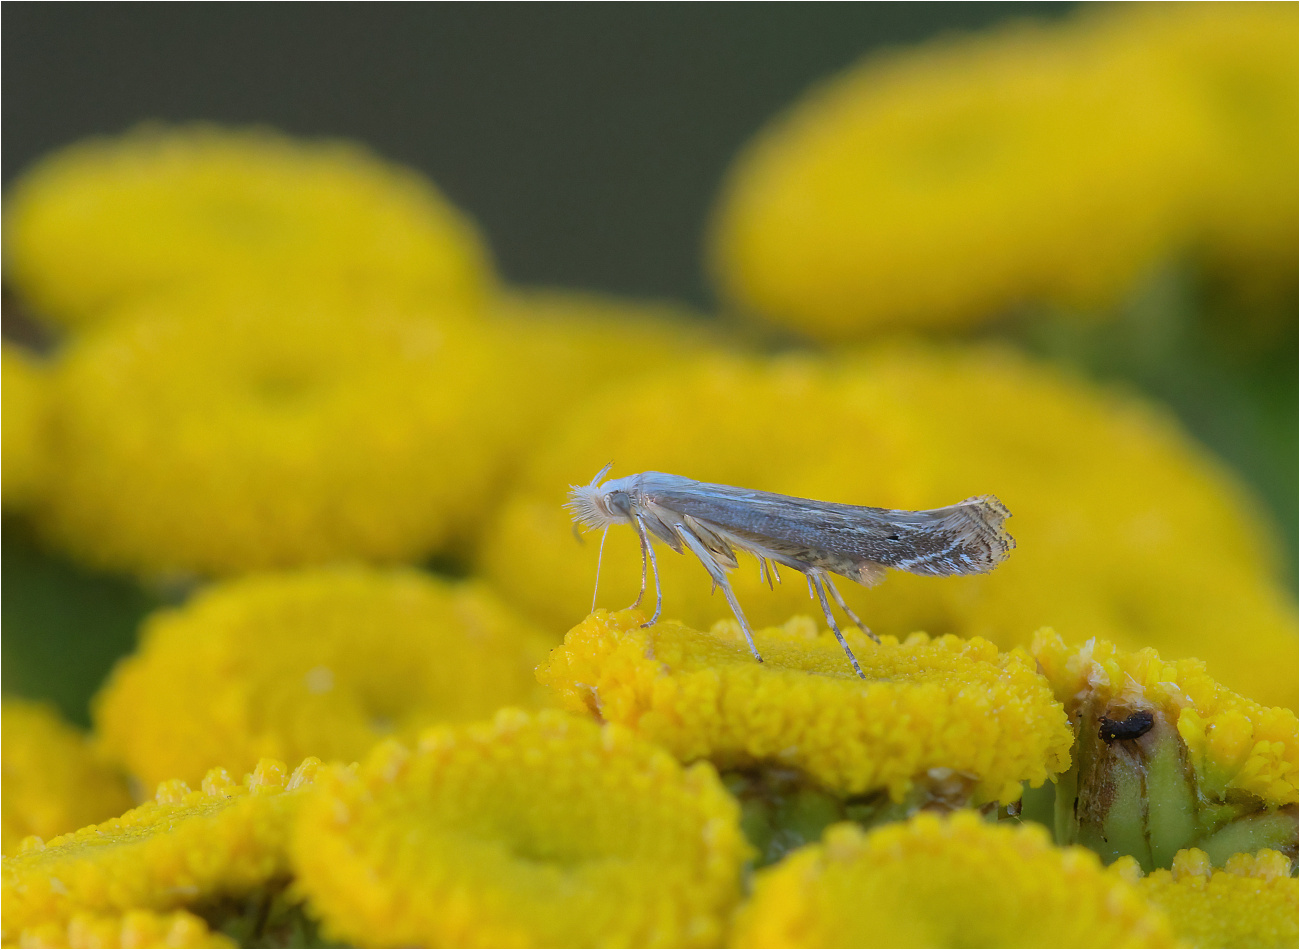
590, 505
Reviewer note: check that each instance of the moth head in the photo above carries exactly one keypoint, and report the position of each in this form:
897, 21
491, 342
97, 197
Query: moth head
599, 506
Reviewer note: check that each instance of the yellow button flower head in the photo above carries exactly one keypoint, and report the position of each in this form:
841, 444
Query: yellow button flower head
1167, 758
943, 185
1113, 506
1250, 903
54, 781
158, 209
136, 928
323, 662
271, 430
179, 850
542, 830
943, 882
25, 405
943, 704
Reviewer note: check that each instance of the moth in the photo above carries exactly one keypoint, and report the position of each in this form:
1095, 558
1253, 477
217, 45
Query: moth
816, 538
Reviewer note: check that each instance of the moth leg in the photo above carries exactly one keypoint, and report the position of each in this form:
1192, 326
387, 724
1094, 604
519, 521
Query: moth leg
719, 577
765, 572
776, 571
648, 549
845, 607
645, 544
815, 581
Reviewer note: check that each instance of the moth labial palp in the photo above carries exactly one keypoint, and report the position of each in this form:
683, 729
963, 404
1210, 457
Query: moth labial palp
816, 538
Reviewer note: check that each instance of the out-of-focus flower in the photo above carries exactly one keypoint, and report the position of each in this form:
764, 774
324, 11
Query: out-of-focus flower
273, 430
177, 851
1113, 507
54, 780
926, 705
108, 220
1250, 903
941, 882
136, 928
542, 830
324, 662
943, 185
25, 402
1166, 758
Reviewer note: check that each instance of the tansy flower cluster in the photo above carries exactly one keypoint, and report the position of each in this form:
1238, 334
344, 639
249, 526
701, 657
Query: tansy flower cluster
277, 385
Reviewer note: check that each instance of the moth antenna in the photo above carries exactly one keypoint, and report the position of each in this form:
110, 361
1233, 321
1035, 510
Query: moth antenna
599, 557
839, 599
816, 583
599, 475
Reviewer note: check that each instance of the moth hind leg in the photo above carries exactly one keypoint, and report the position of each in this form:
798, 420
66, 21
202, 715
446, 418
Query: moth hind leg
719, 577
815, 580
839, 599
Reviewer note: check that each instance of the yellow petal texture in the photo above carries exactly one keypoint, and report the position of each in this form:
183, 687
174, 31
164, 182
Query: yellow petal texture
136, 928
107, 220
926, 704
25, 403
1114, 507
538, 830
323, 662
176, 851
943, 185
1234, 744
54, 780
1249, 903
943, 882
273, 430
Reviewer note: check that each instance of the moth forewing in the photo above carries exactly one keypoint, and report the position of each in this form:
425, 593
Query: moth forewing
818, 538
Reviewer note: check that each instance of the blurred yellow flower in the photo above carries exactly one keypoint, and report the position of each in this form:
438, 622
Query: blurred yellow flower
177, 851
25, 402
54, 780
323, 662
943, 185
1114, 508
108, 220
1167, 758
136, 928
942, 882
273, 430
943, 704
542, 830
1250, 903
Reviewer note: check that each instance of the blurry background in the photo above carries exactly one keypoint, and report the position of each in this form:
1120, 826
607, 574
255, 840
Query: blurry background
587, 141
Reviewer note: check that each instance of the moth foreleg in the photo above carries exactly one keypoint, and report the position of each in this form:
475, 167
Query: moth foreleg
719, 577
839, 599
648, 553
815, 580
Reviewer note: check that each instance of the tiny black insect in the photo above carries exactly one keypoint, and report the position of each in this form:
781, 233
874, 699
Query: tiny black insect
1131, 727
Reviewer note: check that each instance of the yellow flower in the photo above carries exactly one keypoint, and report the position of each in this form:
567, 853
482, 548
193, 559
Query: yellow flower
1250, 903
926, 706
1166, 758
1114, 508
542, 830
108, 220
136, 928
272, 430
54, 781
944, 185
177, 851
935, 882
25, 401
323, 662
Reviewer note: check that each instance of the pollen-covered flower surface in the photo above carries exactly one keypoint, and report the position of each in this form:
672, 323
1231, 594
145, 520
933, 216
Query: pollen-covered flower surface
273, 430
943, 882
54, 780
136, 928
926, 704
25, 406
532, 830
1251, 902
943, 185
109, 220
324, 662
1112, 505
179, 850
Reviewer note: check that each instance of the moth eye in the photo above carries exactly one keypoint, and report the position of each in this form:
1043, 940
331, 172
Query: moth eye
620, 502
